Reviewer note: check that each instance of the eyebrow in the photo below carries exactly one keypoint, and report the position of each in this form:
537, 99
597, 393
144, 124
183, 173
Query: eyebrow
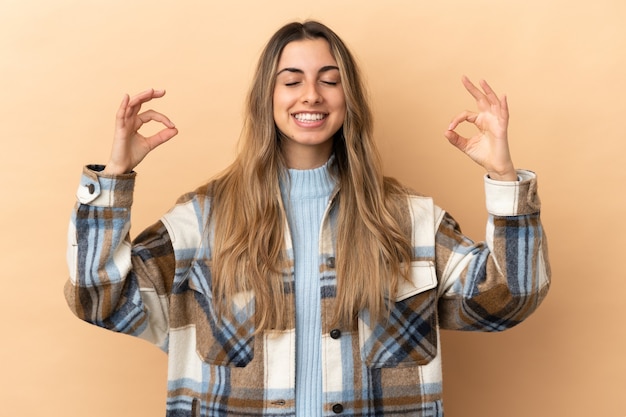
299, 71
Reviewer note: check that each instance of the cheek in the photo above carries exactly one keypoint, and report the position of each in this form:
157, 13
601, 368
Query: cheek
280, 103
340, 101
280, 113
276, 108
342, 108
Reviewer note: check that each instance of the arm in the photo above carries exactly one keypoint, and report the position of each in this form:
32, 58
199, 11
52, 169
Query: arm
114, 284
494, 285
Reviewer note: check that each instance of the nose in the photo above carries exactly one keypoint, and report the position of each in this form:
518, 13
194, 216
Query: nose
311, 94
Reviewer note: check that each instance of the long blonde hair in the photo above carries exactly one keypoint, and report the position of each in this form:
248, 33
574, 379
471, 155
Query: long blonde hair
248, 218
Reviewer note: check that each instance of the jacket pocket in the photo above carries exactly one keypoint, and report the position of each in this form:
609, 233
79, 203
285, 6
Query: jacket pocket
219, 341
409, 336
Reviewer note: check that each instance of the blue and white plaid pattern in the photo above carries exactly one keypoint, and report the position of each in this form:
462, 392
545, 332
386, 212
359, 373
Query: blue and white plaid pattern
159, 288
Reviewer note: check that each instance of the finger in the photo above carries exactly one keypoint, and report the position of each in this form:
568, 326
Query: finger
151, 115
161, 137
456, 140
504, 107
489, 93
472, 89
135, 103
121, 111
146, 96
466, 116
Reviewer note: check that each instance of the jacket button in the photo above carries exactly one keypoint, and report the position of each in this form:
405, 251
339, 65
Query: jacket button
335, 333
91, 188
337, 408
330, 262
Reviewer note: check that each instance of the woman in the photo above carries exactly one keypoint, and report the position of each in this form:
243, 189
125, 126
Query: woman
301, 281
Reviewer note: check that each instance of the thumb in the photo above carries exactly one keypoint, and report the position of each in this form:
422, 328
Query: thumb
455, 139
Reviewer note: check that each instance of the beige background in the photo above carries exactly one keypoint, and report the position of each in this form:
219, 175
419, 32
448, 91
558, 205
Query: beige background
65, 64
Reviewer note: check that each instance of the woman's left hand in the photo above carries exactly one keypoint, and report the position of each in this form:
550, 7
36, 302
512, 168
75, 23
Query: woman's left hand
489, 147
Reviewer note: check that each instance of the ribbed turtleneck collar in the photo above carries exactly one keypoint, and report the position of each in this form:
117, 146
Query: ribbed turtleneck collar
308, 183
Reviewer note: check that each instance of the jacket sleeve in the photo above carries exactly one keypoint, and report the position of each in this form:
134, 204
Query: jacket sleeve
116, 284
494, 285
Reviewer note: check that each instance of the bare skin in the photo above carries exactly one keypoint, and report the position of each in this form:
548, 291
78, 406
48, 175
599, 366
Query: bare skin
488, 148
129, 146
308, 83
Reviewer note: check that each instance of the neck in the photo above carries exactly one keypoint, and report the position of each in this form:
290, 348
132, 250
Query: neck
307, 157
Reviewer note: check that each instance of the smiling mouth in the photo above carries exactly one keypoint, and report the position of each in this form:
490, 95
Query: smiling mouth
309, 117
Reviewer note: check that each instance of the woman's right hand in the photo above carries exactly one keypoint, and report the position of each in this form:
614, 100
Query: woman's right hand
129, 146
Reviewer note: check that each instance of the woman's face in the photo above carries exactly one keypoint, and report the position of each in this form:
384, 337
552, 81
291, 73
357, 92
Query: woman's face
309, 103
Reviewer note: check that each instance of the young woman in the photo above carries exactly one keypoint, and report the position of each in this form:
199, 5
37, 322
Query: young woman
301, 281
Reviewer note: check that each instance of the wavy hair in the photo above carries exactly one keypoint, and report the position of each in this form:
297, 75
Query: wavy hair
248, 218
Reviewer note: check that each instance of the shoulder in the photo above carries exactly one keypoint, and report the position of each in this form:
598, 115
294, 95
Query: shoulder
201, 193
410, 208
188, 218
398, 197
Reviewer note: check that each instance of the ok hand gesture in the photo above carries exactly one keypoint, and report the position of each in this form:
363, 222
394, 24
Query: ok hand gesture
129, 146
489, 147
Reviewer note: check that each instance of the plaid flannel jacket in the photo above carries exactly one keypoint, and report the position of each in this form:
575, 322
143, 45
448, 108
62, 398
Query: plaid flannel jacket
159, 288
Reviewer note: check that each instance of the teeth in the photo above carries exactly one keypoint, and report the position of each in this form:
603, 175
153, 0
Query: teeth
309, 117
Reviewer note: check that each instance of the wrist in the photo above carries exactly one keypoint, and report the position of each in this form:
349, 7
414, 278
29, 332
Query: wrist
112, 169
508, 175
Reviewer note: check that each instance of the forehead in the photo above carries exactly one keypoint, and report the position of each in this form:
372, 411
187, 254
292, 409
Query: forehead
306, 54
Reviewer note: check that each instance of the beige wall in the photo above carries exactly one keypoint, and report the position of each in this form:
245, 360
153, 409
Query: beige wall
64, 65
